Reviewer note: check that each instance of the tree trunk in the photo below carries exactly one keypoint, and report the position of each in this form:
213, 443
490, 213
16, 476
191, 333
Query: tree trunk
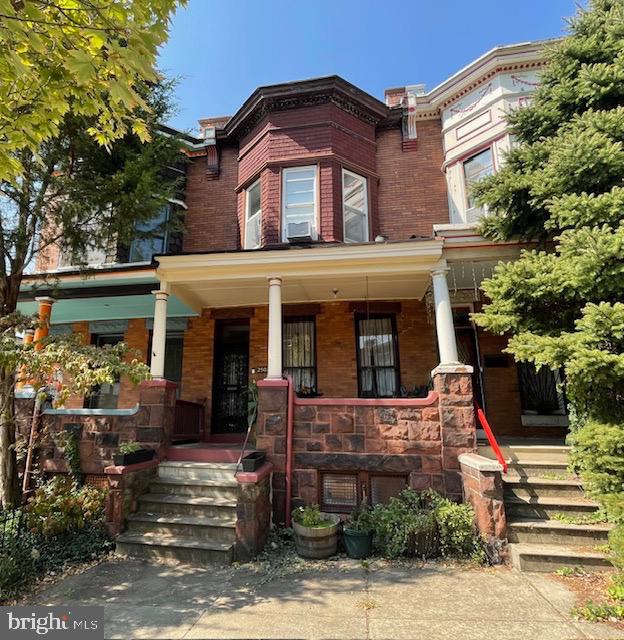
9, 482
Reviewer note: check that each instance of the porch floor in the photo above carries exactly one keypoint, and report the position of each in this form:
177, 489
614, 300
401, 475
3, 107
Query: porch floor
206, 452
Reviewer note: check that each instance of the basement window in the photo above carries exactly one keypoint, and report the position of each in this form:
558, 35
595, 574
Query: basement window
343, 492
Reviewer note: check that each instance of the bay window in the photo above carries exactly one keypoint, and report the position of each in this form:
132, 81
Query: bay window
354, 207
299, 204
253, 216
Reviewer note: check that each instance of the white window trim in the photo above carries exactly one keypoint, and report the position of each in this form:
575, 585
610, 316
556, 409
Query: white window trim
367, 212
256, 215
285, 172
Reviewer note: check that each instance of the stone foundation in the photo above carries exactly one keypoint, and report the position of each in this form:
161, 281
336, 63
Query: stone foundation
125, 485
253, 512
483, 488
420, 438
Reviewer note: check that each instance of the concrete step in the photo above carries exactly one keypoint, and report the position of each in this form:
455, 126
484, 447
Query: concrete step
527, 451
203, 506
176, 526
548, 469
549, 558
541, 487
169, 549
211, 471
196, 488
547, 508
553, 532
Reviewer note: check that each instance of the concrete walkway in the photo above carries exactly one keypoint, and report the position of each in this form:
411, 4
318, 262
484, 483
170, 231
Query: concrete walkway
341, 599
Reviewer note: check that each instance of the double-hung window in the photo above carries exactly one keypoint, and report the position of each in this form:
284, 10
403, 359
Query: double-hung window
377, 359
354, 207
299, 204
476, 168
299, 353
253, 216
151, 236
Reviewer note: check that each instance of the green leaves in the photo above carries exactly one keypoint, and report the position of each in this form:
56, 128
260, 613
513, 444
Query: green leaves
564, 184
88, 57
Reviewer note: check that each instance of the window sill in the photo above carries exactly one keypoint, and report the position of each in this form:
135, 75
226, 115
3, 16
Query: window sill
536, 420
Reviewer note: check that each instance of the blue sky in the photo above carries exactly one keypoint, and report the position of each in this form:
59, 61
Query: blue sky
223, 50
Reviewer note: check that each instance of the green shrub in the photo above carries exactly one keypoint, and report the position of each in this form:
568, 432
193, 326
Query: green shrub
61, 506
310, 516
17, 571
361, 519
425, 525
598, 456
596, 612
616, 589
457, 531
616, 544
71, 547
129, 447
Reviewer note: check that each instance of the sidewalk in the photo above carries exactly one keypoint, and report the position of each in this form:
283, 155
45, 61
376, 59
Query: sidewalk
342, 600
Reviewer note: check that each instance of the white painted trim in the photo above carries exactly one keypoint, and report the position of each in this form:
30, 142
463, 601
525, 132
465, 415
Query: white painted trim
248, 218
91, 412
534, 420
417, 256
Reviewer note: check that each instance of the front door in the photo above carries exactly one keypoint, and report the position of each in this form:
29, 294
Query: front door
231, 376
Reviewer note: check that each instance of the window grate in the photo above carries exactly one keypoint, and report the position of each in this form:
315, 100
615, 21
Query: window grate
340, 490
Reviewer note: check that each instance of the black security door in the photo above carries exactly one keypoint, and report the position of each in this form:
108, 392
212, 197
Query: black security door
231, 376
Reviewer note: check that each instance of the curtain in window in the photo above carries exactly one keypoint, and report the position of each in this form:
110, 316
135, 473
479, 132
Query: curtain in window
299, 357
376, 353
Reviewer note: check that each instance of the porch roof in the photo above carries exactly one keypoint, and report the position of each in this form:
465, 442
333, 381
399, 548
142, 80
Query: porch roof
374, 271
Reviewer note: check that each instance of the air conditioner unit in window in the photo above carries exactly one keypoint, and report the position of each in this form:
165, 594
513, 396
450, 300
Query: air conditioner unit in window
299, 231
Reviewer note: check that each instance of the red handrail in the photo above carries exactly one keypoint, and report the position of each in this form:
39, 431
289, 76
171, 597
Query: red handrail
490, 436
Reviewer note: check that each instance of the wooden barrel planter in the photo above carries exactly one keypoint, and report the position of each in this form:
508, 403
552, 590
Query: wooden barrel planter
317, 542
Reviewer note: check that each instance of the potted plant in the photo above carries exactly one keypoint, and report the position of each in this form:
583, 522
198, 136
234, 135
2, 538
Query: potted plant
316, 533
358, 533
132, 453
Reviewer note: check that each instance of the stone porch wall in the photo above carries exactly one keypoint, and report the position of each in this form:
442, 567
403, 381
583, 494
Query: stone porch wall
101, 432
421, 438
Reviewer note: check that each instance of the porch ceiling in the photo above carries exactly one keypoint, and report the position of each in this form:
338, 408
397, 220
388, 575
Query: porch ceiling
380, 271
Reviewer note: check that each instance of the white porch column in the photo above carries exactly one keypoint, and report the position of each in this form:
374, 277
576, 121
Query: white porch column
274, 368
447, 344
159, 334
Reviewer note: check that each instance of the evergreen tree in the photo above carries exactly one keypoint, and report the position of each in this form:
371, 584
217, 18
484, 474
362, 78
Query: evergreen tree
563, 186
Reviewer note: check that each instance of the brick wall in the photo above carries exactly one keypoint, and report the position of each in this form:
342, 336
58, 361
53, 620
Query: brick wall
412, 187
211, 218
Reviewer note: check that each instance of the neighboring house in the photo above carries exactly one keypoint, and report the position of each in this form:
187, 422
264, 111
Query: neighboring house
329, 236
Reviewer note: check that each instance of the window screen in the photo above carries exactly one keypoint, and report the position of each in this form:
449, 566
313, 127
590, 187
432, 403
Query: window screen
339, 490
377, 357
382, 488
299, 353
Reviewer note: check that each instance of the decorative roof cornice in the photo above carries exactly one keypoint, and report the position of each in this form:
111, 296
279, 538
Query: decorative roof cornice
306, 93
